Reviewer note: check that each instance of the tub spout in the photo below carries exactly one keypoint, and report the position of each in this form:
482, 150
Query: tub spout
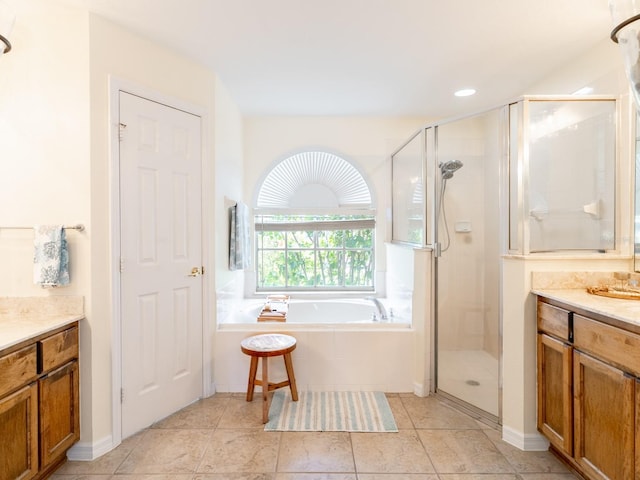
382, 312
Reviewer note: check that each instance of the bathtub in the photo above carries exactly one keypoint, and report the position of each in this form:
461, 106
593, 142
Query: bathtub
334, 312
339, 347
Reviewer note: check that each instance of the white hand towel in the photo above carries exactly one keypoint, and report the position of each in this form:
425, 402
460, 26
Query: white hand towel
51, 256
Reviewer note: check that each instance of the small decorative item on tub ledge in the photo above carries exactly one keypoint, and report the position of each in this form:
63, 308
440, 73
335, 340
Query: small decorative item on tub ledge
275, 309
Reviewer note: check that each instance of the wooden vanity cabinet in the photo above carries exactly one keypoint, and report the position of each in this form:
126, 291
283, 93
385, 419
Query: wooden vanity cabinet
588, 393
19, 433
555, 394
59, 402
604, 419
39, 404
555, 417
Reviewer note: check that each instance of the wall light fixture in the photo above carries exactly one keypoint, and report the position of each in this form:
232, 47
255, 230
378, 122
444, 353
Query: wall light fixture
7, 19
626, 33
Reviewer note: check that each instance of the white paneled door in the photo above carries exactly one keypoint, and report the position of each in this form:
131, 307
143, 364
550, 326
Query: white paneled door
161, 260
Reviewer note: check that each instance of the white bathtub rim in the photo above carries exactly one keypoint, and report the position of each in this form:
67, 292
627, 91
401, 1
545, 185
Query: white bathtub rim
310, 327
250, 304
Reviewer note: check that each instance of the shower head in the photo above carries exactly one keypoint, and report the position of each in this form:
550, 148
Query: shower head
448, 168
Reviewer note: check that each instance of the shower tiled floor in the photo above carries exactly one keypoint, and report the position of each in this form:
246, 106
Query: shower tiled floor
222, 437
470, 375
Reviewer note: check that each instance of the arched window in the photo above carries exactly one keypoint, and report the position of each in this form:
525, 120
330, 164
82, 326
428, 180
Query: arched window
315, 226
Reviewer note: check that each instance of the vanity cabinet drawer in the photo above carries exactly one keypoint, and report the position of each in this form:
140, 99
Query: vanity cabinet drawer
608, 343
18, 369
58, 349
553, 320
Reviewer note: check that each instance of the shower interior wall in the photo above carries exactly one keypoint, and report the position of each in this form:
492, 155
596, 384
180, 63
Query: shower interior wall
469, 273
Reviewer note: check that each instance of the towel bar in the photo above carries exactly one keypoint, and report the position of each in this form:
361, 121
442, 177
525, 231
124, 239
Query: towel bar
78, 227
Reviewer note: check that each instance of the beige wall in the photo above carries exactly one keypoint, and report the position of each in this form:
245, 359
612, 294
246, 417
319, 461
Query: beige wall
228, 289
116, 52
44, 141
229, 168
45, 149
55, 145
600, 68
367, 142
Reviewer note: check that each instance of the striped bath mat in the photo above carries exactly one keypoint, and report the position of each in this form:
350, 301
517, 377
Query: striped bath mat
331, 412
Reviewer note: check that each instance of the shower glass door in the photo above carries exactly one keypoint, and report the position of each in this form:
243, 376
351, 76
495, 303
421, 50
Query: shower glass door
469, 156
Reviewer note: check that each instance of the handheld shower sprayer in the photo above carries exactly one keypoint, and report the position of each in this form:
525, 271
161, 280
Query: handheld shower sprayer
448, 168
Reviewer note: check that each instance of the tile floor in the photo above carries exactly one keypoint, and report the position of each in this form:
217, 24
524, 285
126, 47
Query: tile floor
222, 438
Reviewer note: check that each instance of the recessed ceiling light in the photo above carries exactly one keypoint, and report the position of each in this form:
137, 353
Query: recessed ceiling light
465, 92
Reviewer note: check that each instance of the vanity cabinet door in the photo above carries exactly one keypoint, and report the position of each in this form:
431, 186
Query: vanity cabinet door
555, 393
19, 434
59, 413
604, 407
637, 437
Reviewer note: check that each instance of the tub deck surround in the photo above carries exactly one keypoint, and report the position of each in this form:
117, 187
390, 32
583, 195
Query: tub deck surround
22, 318
339, 348
321, 313
325, 359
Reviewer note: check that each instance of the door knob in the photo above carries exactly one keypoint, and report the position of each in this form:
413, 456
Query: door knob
196, 272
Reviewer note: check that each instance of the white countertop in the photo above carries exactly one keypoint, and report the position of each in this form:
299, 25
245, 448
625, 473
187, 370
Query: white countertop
22, 318
619, 309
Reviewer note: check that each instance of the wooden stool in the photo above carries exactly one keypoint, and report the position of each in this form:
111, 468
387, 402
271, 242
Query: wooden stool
265, 346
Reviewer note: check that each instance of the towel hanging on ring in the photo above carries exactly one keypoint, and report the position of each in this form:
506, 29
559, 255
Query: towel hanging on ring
239, 237
51, 256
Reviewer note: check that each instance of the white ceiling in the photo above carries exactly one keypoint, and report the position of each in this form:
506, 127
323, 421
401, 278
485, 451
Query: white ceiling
369, 57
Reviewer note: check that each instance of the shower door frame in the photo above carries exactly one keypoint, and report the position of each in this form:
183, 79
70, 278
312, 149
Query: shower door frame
503, 179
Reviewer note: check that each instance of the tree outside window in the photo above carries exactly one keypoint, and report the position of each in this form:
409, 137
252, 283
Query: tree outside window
323, 252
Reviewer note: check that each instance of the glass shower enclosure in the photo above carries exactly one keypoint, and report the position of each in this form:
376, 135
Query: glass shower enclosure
446, 196
534, 177
467, 263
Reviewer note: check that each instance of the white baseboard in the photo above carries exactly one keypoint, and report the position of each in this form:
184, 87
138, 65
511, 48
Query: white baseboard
86, 452
419, 390
209, 390
529, 442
